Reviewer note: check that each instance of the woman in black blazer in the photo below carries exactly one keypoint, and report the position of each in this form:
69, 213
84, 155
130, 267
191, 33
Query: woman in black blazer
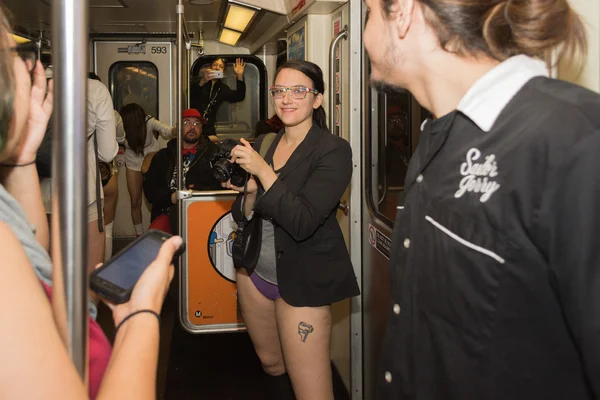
304, 265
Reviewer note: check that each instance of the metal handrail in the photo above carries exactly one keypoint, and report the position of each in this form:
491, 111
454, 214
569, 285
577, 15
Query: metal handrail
343, 34
69, 247
179, 100
384, 157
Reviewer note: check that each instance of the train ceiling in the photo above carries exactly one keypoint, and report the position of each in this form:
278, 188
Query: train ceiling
136, 16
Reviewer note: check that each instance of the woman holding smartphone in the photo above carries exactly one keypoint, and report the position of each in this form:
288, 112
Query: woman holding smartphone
208, 95
304, 265
39, 365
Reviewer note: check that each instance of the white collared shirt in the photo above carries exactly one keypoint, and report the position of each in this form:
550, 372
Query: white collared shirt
486, 99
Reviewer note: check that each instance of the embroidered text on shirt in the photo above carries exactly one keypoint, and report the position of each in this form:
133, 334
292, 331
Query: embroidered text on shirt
476, 175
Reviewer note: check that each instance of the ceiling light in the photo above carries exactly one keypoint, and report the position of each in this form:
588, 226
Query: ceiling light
20, 39
229, 37
238, 17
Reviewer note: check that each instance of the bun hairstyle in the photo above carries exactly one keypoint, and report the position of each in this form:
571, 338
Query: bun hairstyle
7, 83
134, 124
503, 28
315, 74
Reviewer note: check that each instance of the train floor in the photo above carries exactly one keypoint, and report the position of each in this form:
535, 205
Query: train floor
220, 366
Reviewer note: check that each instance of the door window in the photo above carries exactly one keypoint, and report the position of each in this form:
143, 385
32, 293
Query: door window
394, 131
135, 82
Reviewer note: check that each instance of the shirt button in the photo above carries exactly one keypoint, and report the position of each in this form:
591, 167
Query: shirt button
396, 309
407, 243
419, 178
388, 376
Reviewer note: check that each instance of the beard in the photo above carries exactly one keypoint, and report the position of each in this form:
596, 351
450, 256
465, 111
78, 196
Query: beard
384, 87
190, 140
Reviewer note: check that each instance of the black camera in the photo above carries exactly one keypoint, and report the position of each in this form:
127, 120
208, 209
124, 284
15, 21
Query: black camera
224, 169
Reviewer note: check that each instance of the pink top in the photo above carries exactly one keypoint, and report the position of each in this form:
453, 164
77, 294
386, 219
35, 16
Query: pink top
99, 353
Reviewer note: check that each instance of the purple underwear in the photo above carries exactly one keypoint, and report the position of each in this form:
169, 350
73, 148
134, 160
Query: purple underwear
267, 289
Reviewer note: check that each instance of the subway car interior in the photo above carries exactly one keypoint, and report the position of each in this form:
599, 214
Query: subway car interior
153, 53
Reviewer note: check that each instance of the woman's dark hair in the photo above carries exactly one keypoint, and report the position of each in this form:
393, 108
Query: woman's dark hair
7, 83
503, 28
314, 73
224, 61
134, 123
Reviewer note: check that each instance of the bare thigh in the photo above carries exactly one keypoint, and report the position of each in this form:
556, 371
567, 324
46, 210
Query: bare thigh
135, 181
305, 335
259, 315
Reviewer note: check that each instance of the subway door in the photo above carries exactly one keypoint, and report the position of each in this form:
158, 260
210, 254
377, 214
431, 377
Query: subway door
392, 126
142, 74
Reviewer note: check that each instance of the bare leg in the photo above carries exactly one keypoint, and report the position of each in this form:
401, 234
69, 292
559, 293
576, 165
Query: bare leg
305, 335
134, 186
259, 315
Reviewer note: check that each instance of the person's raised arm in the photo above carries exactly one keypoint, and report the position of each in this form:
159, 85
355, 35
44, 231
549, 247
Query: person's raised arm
165, 131
239, 94
18, 174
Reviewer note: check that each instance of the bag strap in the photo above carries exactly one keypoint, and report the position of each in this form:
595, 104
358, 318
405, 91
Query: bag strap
266, 143
98, 187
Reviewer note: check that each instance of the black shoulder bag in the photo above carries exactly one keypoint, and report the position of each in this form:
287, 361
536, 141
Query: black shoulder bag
248, 239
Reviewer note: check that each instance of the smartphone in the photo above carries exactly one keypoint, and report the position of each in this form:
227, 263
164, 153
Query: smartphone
116, 278
217, 74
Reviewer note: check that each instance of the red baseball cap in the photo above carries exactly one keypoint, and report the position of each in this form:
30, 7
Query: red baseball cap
193, 113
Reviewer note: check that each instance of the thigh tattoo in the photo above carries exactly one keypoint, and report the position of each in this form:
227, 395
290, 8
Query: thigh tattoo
304, 330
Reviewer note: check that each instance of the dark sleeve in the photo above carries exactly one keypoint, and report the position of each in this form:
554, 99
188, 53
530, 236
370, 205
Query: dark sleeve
234, 96
300, 215
156, 189
569, 225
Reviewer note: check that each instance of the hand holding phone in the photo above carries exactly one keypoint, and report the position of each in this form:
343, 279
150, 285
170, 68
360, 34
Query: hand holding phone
216, 74
140, 272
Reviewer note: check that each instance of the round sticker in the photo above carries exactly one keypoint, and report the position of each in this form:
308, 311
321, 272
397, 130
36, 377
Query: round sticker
220, 245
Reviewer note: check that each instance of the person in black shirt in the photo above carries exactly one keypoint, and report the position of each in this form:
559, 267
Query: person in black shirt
208, 95
495, 279
160, 181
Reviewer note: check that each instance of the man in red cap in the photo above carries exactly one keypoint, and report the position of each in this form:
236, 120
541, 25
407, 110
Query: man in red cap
160, 182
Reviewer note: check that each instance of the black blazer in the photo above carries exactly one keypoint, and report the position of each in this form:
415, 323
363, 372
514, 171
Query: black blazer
313, 265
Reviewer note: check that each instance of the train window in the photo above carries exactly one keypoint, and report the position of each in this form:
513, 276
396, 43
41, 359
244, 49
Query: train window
238, 119
394, 131
134, 82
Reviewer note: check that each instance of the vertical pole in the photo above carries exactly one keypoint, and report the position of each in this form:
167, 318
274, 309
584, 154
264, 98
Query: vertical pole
355, 126
179, 111
69, 171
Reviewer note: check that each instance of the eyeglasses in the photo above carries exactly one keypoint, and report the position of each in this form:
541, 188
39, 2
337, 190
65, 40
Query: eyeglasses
298, 92
28, 53
190, 123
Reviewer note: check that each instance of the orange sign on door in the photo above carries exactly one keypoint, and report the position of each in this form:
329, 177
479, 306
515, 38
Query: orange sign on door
210, 278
